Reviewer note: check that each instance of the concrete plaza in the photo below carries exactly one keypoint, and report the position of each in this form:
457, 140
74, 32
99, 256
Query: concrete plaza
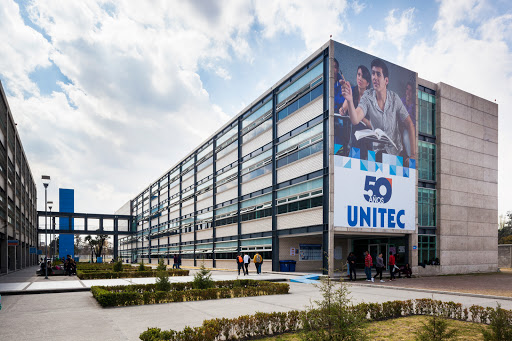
77, 315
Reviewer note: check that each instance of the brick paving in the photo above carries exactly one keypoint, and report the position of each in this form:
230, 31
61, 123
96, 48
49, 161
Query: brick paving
496, 284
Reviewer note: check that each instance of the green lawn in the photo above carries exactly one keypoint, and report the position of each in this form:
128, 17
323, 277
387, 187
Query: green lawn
402, 329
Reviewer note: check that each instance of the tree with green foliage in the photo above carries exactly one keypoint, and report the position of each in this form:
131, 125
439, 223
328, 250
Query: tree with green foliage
161, 265
162, 281
118, 265
203, 279
505, 230
333, 317
500, 328
436, 329
141, 267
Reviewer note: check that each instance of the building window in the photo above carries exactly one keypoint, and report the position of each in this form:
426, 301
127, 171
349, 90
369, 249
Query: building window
426, 161
426, 207
427, 246
427, 113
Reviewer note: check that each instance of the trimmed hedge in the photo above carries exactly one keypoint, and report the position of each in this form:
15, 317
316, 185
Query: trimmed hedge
114, 296
91, 274
265, 324
100, 266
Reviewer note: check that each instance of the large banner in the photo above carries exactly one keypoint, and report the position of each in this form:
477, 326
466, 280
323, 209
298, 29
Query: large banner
374, 142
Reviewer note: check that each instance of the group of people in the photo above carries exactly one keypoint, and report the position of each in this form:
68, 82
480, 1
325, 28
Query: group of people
176, 262
379, 267
374, 107
244, 261
68, 264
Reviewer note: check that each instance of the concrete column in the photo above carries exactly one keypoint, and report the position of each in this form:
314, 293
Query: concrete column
3, 255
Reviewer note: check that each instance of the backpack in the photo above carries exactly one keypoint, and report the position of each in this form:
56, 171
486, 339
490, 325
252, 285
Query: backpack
257, 259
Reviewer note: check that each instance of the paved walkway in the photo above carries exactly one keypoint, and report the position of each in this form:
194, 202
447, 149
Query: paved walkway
43, 317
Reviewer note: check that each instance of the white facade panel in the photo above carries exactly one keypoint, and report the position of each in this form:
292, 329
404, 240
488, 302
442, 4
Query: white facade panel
301, 116
204, 203
186, 237
174, 239
300, 218
204, 234
174, 190
162, 241
307, 165
204, 172
226, 231
257, 142
174, 214
263, 181
187, 182
187, 209
227, 159
259, 225
227, 195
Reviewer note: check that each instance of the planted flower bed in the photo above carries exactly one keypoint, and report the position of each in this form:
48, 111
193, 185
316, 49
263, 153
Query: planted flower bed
114, 296
132, 273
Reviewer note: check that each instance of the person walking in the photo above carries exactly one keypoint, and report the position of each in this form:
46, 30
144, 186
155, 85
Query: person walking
175, 261
379, 267
368, 263
247, 260
240, 263
391, 264
258, 260
351, 261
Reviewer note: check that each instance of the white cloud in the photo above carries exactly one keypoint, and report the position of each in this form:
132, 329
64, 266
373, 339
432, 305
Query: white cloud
476, 59
357, 7
313, 21
397, 29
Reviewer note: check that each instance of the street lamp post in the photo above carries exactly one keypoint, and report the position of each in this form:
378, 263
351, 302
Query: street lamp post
46, 182
50, 203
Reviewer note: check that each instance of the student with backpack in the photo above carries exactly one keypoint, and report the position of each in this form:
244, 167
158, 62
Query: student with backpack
258, 260
240, 263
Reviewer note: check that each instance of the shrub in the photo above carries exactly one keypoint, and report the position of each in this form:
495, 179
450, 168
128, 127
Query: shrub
162, 281
118, 265
500, 326
141, 267
161, 266
436, 330
333, 318
203, 279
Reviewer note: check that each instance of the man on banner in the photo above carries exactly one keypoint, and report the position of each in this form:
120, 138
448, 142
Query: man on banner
385, 110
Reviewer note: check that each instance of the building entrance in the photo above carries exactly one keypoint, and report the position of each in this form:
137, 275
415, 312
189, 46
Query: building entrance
380, 245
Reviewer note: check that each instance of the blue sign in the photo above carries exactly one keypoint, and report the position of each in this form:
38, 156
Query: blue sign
33, 250
39, 252
414, 247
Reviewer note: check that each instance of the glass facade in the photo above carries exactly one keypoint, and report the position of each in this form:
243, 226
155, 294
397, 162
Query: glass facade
226, 183
427, 113
426, 207
426, 161
427, 249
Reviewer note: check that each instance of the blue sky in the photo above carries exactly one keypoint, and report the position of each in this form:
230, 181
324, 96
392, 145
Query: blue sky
107, 94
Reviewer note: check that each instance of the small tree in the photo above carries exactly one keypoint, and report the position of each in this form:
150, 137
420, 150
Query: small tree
436, 329
332, 318
161, 266
141, 267
162, 281
118, 265
500, 327
203, 279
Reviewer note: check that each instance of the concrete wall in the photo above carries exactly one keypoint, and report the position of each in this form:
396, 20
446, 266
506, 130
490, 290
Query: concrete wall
467, 181
286, 243
505, 256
